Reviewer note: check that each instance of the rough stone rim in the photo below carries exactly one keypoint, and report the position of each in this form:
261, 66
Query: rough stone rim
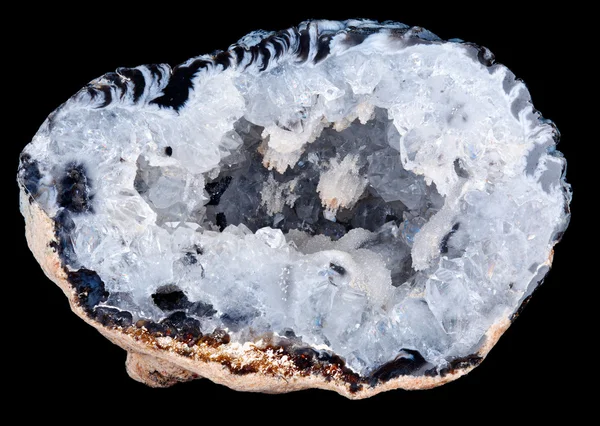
157, 361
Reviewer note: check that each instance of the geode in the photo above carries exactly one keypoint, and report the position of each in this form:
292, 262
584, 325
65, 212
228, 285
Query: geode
355, 206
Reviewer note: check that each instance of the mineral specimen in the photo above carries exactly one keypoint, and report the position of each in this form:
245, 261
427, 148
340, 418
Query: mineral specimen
348, 205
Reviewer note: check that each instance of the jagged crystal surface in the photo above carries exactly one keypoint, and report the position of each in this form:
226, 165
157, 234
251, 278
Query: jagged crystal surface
394, 195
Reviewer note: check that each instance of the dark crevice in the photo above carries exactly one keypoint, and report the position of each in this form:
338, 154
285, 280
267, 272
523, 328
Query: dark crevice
169, 298
446, 239
186, 328
337, 269
408, 362
459, 169
73, 189
189, 259
29, 174
90, 288
112, 317
221, 221
216, 189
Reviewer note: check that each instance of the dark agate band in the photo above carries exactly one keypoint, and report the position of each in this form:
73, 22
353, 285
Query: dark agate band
308, 43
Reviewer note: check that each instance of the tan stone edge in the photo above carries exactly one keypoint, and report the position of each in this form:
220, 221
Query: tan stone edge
159, 362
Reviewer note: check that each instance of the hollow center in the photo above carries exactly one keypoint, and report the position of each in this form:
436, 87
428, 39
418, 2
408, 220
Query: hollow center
344, 180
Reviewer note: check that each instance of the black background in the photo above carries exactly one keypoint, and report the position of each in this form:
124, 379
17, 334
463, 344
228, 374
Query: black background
53, 52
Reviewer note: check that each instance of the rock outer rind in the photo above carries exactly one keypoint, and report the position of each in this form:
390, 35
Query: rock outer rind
157, 362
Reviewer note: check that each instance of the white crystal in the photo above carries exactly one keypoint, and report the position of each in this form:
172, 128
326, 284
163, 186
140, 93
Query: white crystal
341, 185
423, 128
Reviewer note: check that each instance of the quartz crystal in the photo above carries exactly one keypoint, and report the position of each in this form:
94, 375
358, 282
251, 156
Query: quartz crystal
365, 195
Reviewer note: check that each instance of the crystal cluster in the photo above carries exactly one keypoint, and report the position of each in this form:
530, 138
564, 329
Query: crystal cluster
367, 188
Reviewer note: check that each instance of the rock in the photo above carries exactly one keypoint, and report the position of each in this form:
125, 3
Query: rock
347, 205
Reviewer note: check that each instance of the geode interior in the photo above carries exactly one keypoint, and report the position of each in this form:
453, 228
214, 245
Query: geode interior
365, 189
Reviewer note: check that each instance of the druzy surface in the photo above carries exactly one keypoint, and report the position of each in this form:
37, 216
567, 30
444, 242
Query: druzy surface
367, 190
